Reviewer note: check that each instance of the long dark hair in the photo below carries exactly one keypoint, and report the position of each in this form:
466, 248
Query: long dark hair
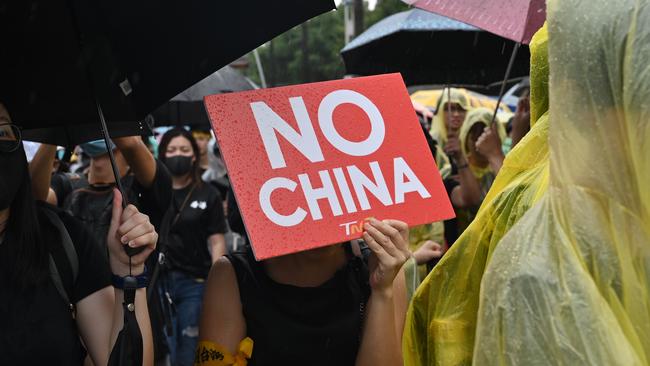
26, 262
176, 132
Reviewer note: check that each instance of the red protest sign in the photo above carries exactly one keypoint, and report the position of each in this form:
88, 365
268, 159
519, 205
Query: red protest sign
309, 163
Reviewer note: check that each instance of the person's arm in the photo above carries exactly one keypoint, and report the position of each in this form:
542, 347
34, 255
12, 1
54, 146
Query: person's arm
100, 315
468, 192
51, 197
427, 251
521, 120
139, 158
489, 144
216, 246
40, 170
222, 319
381, 341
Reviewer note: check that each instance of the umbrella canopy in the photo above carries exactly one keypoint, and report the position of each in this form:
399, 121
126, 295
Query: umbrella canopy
430, 98
130, 56
187, 107
431, 49
517, 20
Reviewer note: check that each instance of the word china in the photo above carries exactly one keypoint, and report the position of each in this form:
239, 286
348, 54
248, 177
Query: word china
271, 125
309, 163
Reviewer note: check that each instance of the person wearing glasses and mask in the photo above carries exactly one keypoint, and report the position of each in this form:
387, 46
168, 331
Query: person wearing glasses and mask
49, 314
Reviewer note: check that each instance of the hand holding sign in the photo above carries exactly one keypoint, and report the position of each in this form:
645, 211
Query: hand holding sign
310, 163
388, 240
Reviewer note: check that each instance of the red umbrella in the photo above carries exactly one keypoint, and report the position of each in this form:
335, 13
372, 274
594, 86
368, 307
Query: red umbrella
517, 20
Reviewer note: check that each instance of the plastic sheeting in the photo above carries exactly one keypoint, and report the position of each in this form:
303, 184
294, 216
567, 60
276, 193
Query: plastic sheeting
569, 284
441, 320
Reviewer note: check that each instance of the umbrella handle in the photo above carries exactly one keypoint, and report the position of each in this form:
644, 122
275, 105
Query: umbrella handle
505, 80
116, 172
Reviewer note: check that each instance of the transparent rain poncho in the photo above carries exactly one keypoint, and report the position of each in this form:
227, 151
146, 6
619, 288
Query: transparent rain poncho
569, 283
441, 321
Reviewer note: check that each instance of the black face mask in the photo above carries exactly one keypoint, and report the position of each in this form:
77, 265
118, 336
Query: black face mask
179, 165
12, 173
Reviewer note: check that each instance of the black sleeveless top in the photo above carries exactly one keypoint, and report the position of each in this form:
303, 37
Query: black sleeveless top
293, 325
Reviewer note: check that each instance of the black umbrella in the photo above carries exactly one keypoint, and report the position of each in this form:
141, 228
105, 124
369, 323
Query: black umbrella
74, 62
68, 63
61, 56
427, 48
187, 107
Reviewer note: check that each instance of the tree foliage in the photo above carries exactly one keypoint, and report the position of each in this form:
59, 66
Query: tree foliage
283, 58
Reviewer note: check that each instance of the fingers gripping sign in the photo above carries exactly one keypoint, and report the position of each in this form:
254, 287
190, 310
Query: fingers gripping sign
388, 241
133, 228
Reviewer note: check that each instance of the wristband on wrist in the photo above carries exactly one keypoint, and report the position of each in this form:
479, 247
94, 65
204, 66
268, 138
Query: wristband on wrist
141, 280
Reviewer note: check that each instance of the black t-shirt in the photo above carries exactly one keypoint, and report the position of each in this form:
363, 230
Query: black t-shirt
293, 325
36, 325
201, 217
93, 204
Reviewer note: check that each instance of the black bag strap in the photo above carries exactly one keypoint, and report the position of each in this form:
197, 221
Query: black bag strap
70, 253
168, 221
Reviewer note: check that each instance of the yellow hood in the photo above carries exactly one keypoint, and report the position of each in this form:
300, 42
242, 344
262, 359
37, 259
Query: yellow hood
478, 115
439, 125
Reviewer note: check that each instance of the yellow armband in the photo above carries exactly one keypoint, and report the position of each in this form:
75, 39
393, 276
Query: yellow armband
212, 354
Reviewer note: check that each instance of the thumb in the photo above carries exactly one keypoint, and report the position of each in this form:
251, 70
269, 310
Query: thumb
117, 210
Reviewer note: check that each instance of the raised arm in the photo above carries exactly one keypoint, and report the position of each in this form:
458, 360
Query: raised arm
100, 316
381, 341
468, 192
489, 144
139, 158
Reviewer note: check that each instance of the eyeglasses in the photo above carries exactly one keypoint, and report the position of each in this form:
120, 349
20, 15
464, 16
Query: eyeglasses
10, 137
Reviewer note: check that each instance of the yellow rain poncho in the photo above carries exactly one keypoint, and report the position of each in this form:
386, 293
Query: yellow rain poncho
441, 321
439, 124
569, 284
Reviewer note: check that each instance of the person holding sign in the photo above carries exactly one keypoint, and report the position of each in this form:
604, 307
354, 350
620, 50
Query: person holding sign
313, 166
321, 307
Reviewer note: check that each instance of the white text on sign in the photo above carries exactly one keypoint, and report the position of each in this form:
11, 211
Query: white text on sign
270, 124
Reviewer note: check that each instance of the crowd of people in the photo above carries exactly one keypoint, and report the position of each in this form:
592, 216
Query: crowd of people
546, 292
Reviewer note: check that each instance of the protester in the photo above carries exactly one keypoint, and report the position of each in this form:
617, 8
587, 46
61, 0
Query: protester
216, 173
569, 284
49, 316
62, 182
480, 140
320, 307
425, 240
202, 137
146, 181
147, 185
521, 120
450, 114
195, 241
441, 323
